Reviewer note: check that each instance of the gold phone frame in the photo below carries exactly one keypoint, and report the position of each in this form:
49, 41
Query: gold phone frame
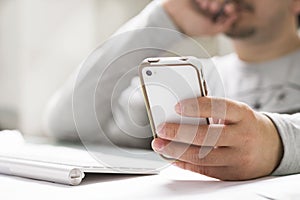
169, 61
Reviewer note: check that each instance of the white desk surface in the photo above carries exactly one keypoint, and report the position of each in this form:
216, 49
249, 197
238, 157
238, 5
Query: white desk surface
172, 183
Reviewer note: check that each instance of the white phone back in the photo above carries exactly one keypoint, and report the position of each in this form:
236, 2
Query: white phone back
167, 86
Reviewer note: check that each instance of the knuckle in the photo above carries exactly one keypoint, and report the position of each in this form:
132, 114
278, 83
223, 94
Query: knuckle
199, 136
244, 107
192, 167
204, 170
193, 158
250, 113
215, 135
207, 157
194, 151
203, 161
171, 130
192, 155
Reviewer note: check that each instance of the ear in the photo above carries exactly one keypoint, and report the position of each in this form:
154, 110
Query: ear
295, 7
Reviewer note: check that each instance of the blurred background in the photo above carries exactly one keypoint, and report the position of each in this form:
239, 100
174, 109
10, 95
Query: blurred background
43, 41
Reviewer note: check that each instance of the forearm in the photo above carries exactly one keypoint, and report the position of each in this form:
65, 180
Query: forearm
121, 54
288, 127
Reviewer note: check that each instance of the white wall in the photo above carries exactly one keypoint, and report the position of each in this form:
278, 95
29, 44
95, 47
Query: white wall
56, 35
9, 67
43, 41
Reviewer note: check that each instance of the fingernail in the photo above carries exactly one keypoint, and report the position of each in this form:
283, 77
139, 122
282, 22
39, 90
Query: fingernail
160, 130
178, 108
158, 145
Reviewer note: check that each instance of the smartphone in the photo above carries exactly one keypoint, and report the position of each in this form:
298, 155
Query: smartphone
167, 81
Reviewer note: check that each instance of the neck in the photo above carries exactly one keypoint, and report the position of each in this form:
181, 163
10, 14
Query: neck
250, 51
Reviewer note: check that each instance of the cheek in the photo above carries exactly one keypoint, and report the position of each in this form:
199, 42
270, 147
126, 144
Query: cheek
269, 8
271, 13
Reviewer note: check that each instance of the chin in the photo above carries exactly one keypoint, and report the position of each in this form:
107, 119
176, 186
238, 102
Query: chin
245, 33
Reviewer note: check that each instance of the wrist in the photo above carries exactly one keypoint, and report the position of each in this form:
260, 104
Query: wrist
277, 142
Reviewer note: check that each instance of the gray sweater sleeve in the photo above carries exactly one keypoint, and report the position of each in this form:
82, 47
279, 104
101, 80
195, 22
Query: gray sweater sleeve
82, 108
288, 127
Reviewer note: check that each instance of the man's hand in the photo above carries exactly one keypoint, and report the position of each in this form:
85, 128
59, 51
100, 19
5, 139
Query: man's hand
195, 17
245, 146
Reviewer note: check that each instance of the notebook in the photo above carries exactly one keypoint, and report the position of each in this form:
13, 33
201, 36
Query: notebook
69, 164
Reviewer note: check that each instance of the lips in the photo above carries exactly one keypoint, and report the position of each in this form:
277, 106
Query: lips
240, 6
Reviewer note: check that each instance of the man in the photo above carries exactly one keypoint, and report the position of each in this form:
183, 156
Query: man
262, 76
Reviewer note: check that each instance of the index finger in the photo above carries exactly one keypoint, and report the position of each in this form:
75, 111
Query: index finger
210, 107
202, 135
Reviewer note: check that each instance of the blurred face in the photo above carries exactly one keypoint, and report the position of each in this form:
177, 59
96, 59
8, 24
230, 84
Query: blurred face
261, 19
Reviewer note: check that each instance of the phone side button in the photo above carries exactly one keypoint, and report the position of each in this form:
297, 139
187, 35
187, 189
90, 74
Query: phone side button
205, 88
